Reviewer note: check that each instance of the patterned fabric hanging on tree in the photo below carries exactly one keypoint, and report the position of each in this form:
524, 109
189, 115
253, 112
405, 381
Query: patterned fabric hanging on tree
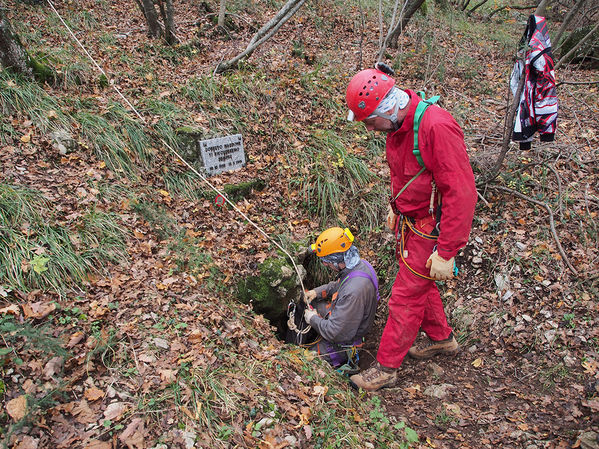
538, 102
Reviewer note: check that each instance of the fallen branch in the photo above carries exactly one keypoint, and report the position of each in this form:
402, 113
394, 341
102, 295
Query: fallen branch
551, 222
559, 191
576, 83
510, 7
264, 33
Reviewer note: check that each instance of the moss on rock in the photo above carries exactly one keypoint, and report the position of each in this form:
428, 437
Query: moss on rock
271, 291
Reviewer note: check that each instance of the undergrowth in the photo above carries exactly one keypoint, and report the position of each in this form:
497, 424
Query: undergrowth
36, 252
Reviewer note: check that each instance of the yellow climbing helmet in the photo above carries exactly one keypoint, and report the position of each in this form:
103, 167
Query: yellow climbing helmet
333, 240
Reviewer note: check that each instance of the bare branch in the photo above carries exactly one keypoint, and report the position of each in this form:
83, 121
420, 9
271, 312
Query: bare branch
551, 222
576, 83
264, 33
576, 47
508, 130
510, 7
566, 22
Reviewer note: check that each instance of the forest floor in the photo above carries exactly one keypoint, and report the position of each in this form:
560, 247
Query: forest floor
154, 350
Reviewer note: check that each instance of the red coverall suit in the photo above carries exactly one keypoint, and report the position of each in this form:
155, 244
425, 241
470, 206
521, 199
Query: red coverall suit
415, 302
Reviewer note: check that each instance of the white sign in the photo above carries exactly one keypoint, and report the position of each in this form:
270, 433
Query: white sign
223, 154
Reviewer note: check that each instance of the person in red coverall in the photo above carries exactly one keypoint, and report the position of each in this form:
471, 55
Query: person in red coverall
427, 239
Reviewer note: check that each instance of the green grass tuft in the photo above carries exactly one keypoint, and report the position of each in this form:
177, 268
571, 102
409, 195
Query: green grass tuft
35, 252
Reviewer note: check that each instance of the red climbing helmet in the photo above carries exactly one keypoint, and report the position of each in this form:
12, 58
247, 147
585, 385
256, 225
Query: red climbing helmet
365, 91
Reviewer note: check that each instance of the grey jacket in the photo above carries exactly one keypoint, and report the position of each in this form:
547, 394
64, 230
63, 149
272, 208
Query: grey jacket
351, 310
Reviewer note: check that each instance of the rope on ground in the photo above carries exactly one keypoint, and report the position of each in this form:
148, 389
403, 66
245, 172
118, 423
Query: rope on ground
117, 90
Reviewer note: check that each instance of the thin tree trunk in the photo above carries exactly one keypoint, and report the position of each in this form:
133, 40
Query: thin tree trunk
540, 11
169, 23
411, 7
221, 13
149, 11
508, 129
576, 47
264, 33
12, 53
566, 22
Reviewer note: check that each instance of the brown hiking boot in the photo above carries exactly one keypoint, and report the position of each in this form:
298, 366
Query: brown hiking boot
431, 348
375, 377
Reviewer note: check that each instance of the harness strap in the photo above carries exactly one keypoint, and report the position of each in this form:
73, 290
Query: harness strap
404, 221
420, 110
362, 274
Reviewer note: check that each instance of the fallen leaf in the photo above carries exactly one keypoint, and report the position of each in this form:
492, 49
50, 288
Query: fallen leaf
13, 309
320, 390
27, 443
75, 338
26, 138
168, 375
38, 310
133, 435
477, 363
17, 408
590, 367
97, 444
53, 366
593, 404
93, 394
308, 432
115, 411
83, 414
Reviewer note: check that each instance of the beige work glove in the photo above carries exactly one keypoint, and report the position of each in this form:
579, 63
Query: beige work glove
391, 219
308, 314
441, 269
309, 296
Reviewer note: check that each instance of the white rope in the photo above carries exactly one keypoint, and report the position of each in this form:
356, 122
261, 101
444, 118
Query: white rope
175, 152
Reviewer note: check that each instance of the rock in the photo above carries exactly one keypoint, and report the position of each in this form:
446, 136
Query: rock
550, 335
477, 260
478, 240
434, 370
161, 343
589, 440
291, 440
286, 272
521, 246
272, 289
63, 141
439, 391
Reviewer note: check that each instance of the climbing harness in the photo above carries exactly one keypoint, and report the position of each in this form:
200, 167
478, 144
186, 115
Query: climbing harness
400, 236
351, 350
407, 221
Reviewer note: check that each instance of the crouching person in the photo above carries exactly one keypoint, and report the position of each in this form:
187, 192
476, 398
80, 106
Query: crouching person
342, 311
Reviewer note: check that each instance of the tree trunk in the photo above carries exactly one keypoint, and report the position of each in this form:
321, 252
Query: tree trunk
12, 53
264, 33
566, 22
149, 11
411, 7
169, 23
221, 13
